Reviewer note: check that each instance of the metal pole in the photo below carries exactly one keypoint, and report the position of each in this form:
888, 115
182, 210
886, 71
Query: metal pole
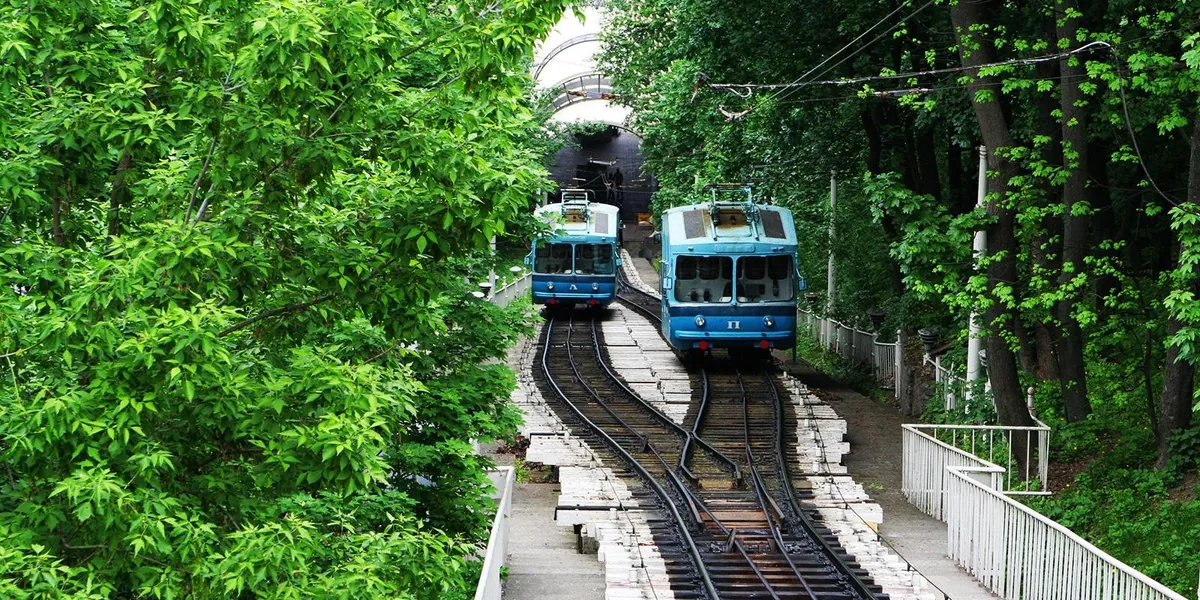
975, 341
492, 273
831, 287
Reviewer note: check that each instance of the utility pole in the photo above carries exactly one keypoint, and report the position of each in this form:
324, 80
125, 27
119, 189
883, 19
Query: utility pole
830, 290
974, 340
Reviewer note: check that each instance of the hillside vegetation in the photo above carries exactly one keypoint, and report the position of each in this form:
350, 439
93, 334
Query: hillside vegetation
1090, 112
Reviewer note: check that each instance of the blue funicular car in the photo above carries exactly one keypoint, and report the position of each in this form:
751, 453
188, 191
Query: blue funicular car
729, 277
578, 263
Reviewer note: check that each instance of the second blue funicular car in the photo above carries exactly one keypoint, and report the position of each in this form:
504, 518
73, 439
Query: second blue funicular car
729, 277
578, 263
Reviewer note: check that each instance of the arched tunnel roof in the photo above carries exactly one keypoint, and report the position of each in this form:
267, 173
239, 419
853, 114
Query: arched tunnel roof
566, 63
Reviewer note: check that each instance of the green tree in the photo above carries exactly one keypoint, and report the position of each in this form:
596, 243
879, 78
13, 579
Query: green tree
240, 357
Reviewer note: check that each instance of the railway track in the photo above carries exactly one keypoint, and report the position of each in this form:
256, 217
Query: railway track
732, 524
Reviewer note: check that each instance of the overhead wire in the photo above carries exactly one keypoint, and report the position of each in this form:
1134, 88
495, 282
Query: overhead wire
798, 84
1089, 47
852, 42
858, 50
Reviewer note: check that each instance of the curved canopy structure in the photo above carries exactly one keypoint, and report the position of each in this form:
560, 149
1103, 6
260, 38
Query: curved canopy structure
565, 63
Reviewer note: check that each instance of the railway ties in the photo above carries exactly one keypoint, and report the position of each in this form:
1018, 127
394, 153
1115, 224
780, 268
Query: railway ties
730, 525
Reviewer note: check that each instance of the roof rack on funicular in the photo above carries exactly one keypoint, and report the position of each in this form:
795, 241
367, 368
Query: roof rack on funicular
747, 206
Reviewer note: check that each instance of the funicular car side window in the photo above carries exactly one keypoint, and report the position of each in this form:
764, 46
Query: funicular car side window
552, 258
704, 279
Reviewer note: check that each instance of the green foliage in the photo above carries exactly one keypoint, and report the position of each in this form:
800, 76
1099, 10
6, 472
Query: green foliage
1127, 510
240, 357
903, 148
586, 128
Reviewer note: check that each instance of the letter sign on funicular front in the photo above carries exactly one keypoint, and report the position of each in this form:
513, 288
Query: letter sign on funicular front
733, 325
573, 288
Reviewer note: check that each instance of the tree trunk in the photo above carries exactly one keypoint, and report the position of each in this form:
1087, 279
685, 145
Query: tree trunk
1175, 407
1026, 346
1047, 365
118, 191
1104, 225
975, 48
960, 203
874, 143
931, 179
1044, 244
1070, 347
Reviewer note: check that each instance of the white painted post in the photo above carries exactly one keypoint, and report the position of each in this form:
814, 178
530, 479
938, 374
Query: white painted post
492, 273
975, 341
831, 286
899, 380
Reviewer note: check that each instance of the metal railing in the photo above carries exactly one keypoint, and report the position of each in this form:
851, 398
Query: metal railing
954, 387
490, 583
511, 291
1010, 548
489, 587
859, 347
1018, 553
928, 450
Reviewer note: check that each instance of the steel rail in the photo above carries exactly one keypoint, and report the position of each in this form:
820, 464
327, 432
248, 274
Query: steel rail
645, 439
687, 493
760, 489
857, 585
687, 435
692, 435
636, 465
738, 543
684, 491
695, 433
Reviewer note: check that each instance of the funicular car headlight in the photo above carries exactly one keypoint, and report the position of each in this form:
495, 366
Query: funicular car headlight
700, 321
550, 285
769, 321
595, 287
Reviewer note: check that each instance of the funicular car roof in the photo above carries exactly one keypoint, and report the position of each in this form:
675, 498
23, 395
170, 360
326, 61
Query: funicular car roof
715, 227
600, 227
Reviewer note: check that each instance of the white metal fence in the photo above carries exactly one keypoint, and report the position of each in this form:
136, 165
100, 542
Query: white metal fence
1010, 548
859, 347
511, 291
1017, 553
929, 450
494, 558
490, 586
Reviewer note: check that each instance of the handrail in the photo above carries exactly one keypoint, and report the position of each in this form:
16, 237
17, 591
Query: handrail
860, 347
511, 291
489, 586
1009, 436
559, 49
1008, 547
1019, 553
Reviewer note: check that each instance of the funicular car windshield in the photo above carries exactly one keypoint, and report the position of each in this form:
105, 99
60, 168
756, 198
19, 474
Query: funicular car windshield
704, 279
765, 279
552, 258
711, 279
594, 259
